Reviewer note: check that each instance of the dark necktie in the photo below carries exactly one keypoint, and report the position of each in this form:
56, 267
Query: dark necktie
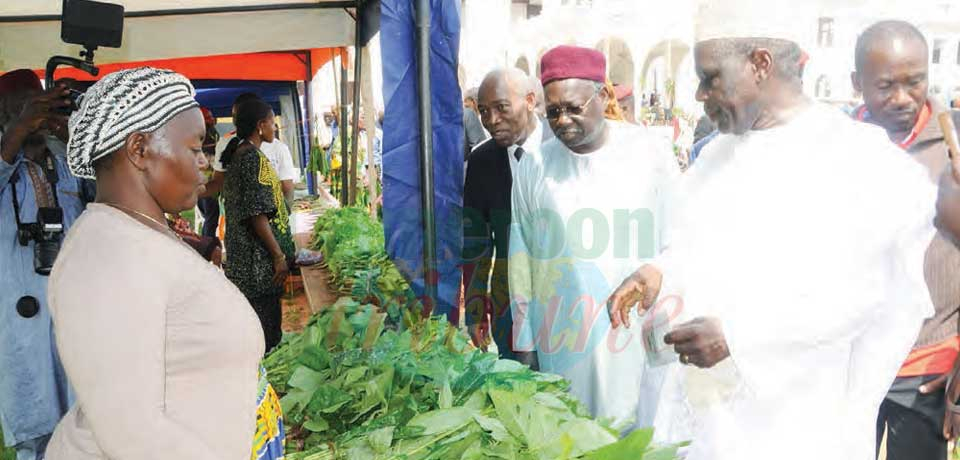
518, 153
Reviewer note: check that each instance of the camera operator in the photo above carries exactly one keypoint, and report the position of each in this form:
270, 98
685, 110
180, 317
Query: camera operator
39, 200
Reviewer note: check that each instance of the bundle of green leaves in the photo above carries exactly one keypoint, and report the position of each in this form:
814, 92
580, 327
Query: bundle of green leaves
352, 244
358, 387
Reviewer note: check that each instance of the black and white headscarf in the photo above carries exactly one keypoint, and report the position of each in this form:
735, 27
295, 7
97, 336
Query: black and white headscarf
120, 104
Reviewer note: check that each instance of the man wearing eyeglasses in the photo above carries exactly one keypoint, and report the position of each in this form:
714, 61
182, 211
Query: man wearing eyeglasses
586, 210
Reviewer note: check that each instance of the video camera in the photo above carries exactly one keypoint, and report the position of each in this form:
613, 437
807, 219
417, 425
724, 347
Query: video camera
90, 24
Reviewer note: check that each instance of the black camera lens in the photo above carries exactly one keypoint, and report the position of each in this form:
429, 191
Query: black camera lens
25, 234
44, 255
28, 306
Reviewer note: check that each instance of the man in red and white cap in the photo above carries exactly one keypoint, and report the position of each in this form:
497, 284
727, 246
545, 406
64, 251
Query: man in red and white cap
585, 212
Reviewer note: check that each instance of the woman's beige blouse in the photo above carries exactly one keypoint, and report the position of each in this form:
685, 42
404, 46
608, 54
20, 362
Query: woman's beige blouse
160, 348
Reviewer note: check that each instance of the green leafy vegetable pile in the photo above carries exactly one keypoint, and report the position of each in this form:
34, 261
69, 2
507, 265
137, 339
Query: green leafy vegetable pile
358, 387
370, 378
352, 244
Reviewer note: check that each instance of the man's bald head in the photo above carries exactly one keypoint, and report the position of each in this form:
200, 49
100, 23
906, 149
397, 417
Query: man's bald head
507, 104
515, 78
786, 55
892, 67
886, 34
743, 78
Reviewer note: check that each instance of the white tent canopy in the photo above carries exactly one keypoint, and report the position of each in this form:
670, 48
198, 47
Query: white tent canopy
165, 29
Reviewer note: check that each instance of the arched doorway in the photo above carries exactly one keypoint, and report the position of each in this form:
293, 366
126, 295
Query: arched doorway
659, 71
620, 66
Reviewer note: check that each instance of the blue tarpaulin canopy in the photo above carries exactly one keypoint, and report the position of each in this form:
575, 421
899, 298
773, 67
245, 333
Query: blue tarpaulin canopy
403, 214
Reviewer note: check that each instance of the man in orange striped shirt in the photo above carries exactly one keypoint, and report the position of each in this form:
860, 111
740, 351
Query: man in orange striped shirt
891, 71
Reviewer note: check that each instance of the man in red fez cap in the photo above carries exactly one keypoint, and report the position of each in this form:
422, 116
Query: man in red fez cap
624, 94
15, 87
584, 211
34, 393
19, 80
573, 79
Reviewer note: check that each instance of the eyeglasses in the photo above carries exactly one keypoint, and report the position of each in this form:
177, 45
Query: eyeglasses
554, 113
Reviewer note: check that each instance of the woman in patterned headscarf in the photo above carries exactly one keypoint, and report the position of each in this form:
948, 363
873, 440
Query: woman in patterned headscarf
258, 238
161, 349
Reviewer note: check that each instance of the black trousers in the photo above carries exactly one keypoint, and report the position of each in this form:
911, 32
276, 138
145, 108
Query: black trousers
271, 317
210, 210
913, 421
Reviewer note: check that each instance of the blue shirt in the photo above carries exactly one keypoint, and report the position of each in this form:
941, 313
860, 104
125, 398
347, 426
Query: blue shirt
695, 151
34, 393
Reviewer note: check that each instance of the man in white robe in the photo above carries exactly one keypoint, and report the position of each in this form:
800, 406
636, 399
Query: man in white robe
585, 212
801, 275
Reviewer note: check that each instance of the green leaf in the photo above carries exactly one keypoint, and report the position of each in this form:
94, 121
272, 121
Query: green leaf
354, 375
550, 400
493, 426
377, 390
294, 402
306, 379
315, 358
373, 330
586, 435
474, 452
380, 440
442, 420
507, 406
508, 365
327, 399
634, 445
317, 425
361, 452
477, 401
446, 396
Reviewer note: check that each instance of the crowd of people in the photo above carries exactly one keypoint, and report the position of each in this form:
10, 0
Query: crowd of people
794, 293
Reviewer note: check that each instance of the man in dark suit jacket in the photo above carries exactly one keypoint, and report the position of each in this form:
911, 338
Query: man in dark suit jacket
507, 106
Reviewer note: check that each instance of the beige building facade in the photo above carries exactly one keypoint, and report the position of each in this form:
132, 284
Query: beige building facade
649, 44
